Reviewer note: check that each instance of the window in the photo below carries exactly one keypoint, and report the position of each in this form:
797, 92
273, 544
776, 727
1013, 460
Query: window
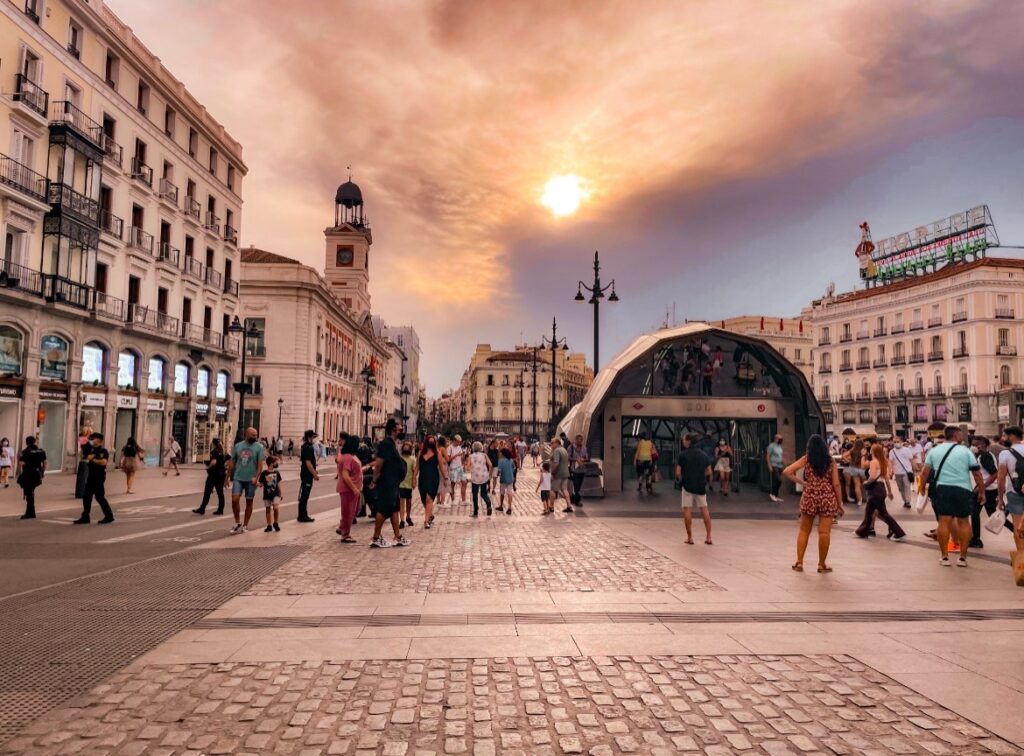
169, 116
846, 330
213, 161
504, 380
1004, 337
798, 354
938, 382
963, 381
880, 323
863, 358
256, 385
222, 385
161, 299
849, 416
897, 350
94, 364
203, 382
155, 381
921, 413
881, 352
898, 320
490, 380
881, 385
939, 412
883, 416
101, 277
74, 39
826, 392
32, 9
490, 396
193, 142
865, 416
73, 94
915, 347
256, 344
53, 353
231, 177
127, 370
142, 98
1004, 375
112, 69
182, 372
825, 338
11, 351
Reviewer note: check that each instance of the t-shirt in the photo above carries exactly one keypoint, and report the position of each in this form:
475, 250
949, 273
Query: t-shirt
507, 470
218, 459
989, 468
97, 472
455, 453
775, 454
351, 463
478, 472
247, 457
956, 471
902, 460
643, 450
521, 448
559, 463
1007, 460
392, 470
271, 482
545, 481
693, 463
6, 457
307, 453
577, 456
410, 465
32, 463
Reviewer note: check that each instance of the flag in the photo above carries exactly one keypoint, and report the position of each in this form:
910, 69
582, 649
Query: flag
762, 322
801, 326
780, 324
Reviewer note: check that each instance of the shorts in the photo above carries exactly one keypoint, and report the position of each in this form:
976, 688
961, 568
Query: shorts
1014, 503
722, 465
404, 493
387, 501
692, 501
505, 488
457, 473
268, 503
544, 496
643, 468
953, 501
561, 485
243, 486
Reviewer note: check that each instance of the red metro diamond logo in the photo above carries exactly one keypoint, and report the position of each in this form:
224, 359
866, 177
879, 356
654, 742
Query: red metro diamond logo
637, 406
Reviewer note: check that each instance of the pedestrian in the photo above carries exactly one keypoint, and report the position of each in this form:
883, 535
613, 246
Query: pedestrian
494, 456
535, 452
172, 456
578, 458
506, 478
903, 462
456, 468
643, 460
291, 448
560, 475
215, 476
445, 487
774, 458
723, 466
31, 470
990, 474
520, 448
693, 473
131, 456
95, 487
479, 477
244, 468
388, 470
270, 480
821, 498
405, 487
279, 447
428, 477
6, 462
350, 486
82, 469
307, 473
1011, 482
879, 488
952, 491
544, 487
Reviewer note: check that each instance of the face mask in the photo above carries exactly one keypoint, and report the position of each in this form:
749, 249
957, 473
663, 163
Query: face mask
251, 439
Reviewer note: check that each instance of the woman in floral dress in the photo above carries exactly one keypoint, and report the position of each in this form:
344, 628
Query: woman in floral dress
821, 498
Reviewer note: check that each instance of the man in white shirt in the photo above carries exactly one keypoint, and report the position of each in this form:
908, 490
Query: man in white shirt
904, 460
1010, 482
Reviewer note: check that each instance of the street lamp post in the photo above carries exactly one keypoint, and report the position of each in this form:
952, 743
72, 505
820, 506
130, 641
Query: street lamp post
242, 387
553, 344
596, 291
367, 375
280, 406
533, 392
520, 385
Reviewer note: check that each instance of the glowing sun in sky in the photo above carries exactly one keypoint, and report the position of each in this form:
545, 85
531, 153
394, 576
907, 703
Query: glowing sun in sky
563, 194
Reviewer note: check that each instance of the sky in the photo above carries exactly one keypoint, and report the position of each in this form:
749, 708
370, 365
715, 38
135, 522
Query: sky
729, 150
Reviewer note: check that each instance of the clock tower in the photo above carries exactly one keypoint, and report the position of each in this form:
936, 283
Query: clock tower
347, 256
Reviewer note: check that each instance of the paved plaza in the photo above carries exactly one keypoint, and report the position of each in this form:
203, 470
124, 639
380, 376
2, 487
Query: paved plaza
573, 633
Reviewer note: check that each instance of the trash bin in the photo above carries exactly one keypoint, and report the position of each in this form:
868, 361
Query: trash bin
593, 480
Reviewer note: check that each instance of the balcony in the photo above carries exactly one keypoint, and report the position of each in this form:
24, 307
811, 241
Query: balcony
880, 332
917, 325
22, 178
959, 352
861, 335
192, 209
845, 367
231, 287
192, 332
31, 95
897, 329
898, 394
231, 343
142, 317
916, 359
936, 356
168, 191
193, 267
825, 341
74, 52
864, 397
167, 325
937, 391
879, 363
213, 277
959, 317
863, 364
112, 149
231, 236
66, 113
14, 276
106, 306
319, 359
139, 239
111, 224
1005, 313
845, 338
825, 370
65, 199
916, 393
168, 254
142, 172
212, 223
845, 398
32, 10
881, 396
934, 322
960, 391
1005, 350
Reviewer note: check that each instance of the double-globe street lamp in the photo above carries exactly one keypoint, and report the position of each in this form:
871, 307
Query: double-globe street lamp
596, 291
368, 377
554, 343
247, 332
280, 407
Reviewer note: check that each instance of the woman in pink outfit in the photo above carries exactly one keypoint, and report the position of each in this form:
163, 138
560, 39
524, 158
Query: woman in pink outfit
350, 486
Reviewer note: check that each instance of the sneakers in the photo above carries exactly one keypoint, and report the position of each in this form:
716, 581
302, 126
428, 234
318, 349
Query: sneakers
568, 509
944, 562
774, 498
380, 543
899, 539
403, 541
408, 521
277, 528
268, 529
236, 529
245, 528
961, 562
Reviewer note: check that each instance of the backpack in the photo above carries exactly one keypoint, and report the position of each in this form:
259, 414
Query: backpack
1018, 471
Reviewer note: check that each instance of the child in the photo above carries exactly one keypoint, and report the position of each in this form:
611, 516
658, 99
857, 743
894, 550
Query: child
405, 488
270, 479
506, 478
544, 486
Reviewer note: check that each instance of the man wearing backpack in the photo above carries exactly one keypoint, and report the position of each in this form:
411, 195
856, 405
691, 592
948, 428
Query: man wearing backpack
1011, 482
989, 471
952, 491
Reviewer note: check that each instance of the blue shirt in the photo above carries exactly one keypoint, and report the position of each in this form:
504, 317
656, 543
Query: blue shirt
775, 454
507, 470
957, 468
247, 456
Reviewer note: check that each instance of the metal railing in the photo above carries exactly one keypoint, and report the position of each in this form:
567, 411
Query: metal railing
897, 329
32, 10
824, 369
231, 287
937, 391
916, 359
72, 202
230, 236
880, 363
21, 278
917, 325
897, 360
961, 351
192, 332
1005, 350
212, 223
959, 317
107, 306
935, 356
845, 338
65, 291
112, 149
861, 335
960, 390
31, 94
845, 367
22, 178
863, 364
880, 332
140, 316
1005, 313
192, 208
167, 325
142, 172
168, 254
140, 239
193, 267
111, 224
168, 191
882, 394
65, 111
934, 322
825, 341
213, 277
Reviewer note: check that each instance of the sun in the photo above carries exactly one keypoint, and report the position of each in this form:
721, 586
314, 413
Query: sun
563, 194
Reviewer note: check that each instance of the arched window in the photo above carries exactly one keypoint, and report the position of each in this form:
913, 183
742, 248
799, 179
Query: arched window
223, 379
94, 364
203, 382
864, 390
825, 391
53, 352
1004, 375
157, 375
182, 374
938, 381
963, 381
847, 389
881, 385
12, 345
901, 387
919, 383
127, 370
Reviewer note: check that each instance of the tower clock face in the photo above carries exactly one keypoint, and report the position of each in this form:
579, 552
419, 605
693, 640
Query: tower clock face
345, 256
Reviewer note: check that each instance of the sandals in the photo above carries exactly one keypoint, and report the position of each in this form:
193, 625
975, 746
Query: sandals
348, 539
824, 568
798, 567
689, 542
707, 543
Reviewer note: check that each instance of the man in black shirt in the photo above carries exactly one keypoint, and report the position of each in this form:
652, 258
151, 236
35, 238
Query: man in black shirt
693, 472
307, 474
32, 462
97, 457
388, 472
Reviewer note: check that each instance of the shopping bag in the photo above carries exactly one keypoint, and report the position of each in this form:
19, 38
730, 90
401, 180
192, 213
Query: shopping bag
995, 521
921, 504
1017, 559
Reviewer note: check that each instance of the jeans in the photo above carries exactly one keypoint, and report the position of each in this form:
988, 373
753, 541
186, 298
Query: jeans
213, 483
776, 477
96, 488
481, 489
906, 484
577, 484
30, 499
876, 505
305, 487
991, 502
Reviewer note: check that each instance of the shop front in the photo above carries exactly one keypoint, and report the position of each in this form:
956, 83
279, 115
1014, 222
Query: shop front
125, 418
92, 407
203, 428
10, 412
51, 420
153, 431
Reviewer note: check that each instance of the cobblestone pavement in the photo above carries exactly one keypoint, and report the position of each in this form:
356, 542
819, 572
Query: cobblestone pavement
486, 554
599, 705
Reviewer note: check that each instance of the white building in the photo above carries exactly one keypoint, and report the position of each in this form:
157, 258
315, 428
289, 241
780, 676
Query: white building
120, 202
411, 390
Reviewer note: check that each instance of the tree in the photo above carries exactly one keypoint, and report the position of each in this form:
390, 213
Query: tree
456, 428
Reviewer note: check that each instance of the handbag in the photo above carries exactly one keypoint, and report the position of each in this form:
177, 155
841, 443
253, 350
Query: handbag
933, 477
995, 521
